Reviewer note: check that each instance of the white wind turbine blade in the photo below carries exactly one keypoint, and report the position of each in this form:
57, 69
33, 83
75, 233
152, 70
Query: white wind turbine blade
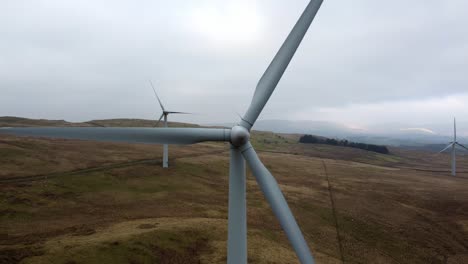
174, 112
461, 145
278, 204
157, 123
130, 135
454, 130
157, 97
449, 145
278, 65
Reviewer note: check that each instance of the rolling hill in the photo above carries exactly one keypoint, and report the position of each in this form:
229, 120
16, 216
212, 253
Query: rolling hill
71, 201
10, 121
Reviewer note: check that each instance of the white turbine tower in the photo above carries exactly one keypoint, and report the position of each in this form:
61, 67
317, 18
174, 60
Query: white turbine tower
453, 145
241, 150
164, 114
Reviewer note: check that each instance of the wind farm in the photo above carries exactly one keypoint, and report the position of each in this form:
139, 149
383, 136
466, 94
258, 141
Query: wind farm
93, 190
241, 149
87, 201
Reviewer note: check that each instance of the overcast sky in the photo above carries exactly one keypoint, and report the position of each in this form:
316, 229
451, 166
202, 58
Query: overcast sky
362, 63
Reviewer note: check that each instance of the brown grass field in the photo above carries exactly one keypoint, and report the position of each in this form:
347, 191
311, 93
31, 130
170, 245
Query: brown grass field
70, 202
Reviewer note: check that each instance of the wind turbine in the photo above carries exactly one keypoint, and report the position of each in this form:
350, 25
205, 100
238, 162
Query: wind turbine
453, 145
164, 114
240, 151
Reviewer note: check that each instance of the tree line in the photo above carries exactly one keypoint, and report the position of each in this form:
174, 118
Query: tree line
345, 143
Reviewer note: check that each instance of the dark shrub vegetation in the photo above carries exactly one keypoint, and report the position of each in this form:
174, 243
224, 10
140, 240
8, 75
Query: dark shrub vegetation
345, 143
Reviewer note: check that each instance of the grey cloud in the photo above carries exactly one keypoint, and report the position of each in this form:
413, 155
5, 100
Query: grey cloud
80, 60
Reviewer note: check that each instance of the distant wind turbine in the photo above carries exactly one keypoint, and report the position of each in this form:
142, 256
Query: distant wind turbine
241, 151
164, 114
452, 145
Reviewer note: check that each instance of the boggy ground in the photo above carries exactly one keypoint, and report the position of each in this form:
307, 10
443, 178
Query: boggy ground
65, 201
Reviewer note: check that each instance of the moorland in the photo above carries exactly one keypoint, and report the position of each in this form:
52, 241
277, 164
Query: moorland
72, 201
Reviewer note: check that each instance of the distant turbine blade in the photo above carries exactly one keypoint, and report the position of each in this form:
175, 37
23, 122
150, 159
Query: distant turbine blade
172, 112
157, 123
130, 135
275, 70
278, 204
454, 130
157, 97
449, 145
461, 145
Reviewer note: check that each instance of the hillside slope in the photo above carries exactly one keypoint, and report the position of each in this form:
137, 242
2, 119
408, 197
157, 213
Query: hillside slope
10, 121
68, 201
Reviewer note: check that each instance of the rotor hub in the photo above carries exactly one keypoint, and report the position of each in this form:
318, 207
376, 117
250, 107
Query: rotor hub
239, 136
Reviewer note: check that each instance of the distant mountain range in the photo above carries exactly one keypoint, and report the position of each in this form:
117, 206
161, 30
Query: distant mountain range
385, 134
